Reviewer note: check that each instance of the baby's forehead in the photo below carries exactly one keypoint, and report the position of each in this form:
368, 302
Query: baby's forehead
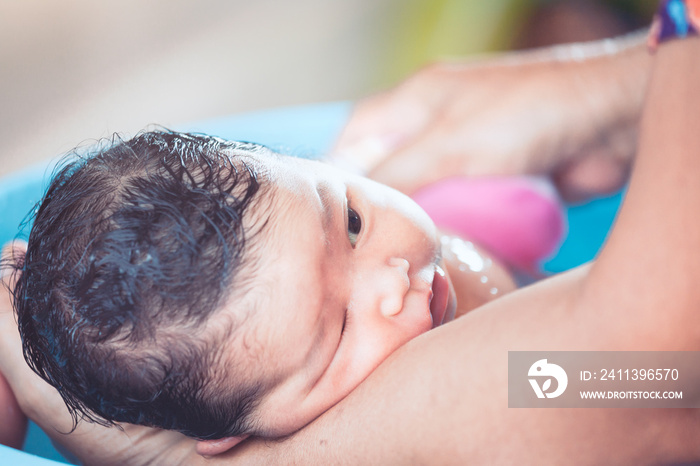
291, 182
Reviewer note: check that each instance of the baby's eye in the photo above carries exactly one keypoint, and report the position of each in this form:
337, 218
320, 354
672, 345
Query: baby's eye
354, 226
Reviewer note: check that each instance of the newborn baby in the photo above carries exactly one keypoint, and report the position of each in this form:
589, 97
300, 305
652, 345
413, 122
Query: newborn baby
222, 290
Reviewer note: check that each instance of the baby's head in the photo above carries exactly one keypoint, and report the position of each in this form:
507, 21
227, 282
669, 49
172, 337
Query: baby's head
219, 289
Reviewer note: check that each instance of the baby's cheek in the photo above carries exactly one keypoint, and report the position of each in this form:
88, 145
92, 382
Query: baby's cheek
372, 344
392, 337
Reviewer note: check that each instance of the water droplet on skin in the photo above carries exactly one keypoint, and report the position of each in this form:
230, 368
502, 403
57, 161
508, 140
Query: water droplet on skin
465, 252
484, 279
494, 290
460, 243
463, 267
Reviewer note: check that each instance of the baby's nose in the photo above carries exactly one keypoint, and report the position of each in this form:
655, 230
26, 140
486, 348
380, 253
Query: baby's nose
396, 286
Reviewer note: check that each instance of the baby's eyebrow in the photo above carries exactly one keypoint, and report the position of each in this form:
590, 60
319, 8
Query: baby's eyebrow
324, 193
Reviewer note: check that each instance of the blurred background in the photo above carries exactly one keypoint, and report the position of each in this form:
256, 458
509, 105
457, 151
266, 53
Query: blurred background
78, 70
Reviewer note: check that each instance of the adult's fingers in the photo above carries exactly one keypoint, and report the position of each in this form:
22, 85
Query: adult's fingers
368, 120
33, 394
11, 257
378, 127
14, 426
429, 157
597, 174
11, 360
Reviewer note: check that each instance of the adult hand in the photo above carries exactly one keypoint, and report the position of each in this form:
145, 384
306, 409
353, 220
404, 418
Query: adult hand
544, 112
90, 443
13, 429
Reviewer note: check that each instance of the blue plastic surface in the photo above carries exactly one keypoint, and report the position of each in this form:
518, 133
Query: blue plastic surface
307, 131
10, 456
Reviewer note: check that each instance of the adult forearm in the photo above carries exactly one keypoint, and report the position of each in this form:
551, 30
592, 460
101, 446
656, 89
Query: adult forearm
442, 399
601, 86
656, 242
608, 80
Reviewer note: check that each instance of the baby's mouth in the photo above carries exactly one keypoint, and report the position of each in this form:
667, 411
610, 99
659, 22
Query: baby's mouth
440, 293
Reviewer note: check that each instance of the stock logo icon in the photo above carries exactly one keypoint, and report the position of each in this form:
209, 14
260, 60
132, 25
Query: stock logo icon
544, 372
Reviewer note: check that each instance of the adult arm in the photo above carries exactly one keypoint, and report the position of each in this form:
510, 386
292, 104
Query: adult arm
443, 397
569, 111
90, 443
14, 426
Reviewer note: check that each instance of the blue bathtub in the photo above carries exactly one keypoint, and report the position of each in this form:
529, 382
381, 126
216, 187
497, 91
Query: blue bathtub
307, 131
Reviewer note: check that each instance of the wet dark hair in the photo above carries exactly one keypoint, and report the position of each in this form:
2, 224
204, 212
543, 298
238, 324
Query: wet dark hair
133, 248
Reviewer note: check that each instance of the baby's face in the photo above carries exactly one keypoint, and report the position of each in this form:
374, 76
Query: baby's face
350, 271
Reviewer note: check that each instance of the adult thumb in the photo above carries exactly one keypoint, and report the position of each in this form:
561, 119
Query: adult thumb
11, 260
421, 162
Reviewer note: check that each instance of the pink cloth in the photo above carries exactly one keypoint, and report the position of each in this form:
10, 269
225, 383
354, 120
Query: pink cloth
518, 219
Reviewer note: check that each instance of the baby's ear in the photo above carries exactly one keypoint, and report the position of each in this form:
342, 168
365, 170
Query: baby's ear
216, 447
